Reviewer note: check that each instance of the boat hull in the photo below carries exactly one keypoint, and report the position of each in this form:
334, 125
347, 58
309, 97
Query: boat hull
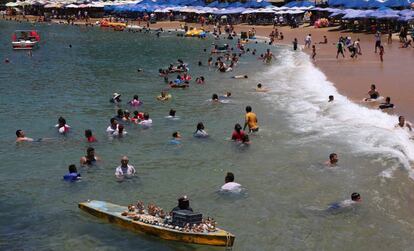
112, 214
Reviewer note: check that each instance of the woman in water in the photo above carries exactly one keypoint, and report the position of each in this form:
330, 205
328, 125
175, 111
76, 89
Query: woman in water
62, 126
373, 94
89, 137
200, 132
238, 133
135, 101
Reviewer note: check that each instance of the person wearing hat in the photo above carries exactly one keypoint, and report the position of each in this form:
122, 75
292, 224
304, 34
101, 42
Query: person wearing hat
124, 170
116, 98
183, 204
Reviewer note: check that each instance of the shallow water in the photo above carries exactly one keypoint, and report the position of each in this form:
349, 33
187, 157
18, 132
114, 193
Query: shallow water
283, 173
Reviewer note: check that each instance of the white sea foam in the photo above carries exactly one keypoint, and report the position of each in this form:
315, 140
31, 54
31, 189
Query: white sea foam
302, 90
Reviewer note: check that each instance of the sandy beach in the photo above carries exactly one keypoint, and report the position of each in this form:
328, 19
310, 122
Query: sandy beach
352, 77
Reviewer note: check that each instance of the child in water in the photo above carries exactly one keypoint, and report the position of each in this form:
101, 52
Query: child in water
176, 138
73, 174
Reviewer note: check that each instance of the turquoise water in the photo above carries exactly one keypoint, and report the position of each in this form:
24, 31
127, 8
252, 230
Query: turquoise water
283, 173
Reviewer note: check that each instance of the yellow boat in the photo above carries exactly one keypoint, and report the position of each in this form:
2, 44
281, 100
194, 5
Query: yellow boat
112, 214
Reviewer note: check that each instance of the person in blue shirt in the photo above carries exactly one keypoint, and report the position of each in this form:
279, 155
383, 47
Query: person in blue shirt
176, 139
73, 174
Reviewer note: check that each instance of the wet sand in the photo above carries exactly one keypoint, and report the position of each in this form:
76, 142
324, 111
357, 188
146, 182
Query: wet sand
352, 77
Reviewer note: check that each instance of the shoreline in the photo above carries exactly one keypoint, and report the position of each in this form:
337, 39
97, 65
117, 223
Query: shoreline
351, 77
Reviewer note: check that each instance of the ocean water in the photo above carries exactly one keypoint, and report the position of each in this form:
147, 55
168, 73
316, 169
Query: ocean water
287, 184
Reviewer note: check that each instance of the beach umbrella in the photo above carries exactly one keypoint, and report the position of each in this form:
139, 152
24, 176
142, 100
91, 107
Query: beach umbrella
384, 13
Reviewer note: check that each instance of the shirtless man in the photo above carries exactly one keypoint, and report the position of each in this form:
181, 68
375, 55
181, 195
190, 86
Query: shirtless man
21, 137
403, 124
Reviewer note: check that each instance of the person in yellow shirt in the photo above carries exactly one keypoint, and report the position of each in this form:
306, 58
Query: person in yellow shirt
251, 120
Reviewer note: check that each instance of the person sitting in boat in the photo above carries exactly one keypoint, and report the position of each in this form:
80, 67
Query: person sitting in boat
73, 174
183, 204
373, 94
116, 98
387, 104
230, 185
89, 159
62, 126
135, 101
124, 170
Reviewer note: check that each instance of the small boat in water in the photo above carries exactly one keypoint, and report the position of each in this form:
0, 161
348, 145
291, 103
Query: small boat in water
25, 39
114, 214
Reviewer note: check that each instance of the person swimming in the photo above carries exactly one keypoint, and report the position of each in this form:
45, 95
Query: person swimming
240, 76
200, 132
403, 124
63, 128
238, 133
333, 160
135, 101
373, 94
116, 98
176, 138
226, 96
21, 137
331, 98
355, 199
146, 122
230, 185
164, 96
89, 137
387, 104
90, 158
260, 88
73, 174
200, 80
215, 98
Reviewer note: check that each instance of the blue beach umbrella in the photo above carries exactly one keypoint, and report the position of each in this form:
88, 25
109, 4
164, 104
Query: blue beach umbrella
397, 3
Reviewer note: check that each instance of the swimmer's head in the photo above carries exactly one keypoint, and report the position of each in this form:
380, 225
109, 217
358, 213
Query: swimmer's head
20, 133
88, 133
61, 121
120, 113
72, 169
401, 119
333, 158
176, 135
214, 97
113, 121
245, 76
136, 97
259, 85
229, 177
146, 116
331, 98
200, 126
387, 99
228, 94
237, 127
373, 87
355, 197
248, 108
124, 160
172, 113
199, 63
90, 151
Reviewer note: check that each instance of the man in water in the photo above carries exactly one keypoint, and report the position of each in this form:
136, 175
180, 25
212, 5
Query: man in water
268, 56
377, 40
112, 127
355, 198
260, 88
403, 124
250, 120
331, 98
124, 170
333, 160
21, 137
183, 204
90, 159
230, 185
387, 104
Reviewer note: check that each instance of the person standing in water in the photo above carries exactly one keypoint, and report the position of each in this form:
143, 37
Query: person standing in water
381, 53
295, 44
250, 120
313, 52
377, 40
230, 185
124, 170
268, 56
89, 159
